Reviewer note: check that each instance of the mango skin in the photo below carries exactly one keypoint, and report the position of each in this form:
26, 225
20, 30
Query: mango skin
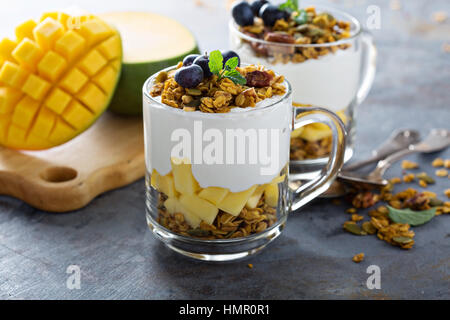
127, 99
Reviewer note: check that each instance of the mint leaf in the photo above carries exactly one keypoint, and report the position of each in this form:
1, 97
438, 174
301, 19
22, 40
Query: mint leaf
215, 62
232, 63
302, 17
289, 5
235, 76
413, 218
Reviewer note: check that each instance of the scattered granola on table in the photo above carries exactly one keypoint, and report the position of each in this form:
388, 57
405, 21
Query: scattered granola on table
357, 258
409, 207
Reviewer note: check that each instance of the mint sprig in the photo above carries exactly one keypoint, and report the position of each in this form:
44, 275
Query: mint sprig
289, 5
229, 71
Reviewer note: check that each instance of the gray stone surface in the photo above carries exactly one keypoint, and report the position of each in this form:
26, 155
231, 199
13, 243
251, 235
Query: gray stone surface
120, 258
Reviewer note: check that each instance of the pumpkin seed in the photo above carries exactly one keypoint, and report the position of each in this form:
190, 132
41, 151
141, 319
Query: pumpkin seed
355, 229
435, 202
402, 240
161, 77
425, 177
369, 228
194, 91
413, 218
194, 103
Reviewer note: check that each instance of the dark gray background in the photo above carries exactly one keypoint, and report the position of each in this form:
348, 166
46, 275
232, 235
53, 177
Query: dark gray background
120, 258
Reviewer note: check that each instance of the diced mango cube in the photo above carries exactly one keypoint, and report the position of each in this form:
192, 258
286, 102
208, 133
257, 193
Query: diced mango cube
53, 15
92, 97
57, 100
61, 132
36, 142
28, 53
4, 123
70, 45
48, 32
297, 132
312, 133
271, 195
164, 184
13, 75
213, 194
77, 115
44, 123
173, 206
74, 81
8, 99
184, 180
63, 18
52, 66
24, 112
16, 135
106, 79
25, 30
92, 62
111, 48
200, 207
94, 31
6, 48
253, 201
234, 202
36, 87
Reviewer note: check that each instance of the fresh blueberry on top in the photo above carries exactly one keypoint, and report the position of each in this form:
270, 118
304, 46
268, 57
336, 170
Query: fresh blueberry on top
242, 13
256, 6
203, 62
190, 76
189, 59
270, 14
227, 55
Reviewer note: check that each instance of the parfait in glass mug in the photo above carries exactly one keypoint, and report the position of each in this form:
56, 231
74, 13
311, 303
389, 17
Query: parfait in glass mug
328, 59
217, 137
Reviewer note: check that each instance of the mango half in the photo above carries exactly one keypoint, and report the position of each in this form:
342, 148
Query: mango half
56, 78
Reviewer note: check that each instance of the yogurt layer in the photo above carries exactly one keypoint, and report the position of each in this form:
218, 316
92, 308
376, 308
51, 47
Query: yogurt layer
273, 116
331, 81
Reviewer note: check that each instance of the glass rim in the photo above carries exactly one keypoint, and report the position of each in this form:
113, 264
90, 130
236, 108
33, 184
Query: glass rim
233, 27
168, 108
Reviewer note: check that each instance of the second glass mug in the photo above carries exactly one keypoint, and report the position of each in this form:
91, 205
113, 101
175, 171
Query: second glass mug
338, 81
162, 123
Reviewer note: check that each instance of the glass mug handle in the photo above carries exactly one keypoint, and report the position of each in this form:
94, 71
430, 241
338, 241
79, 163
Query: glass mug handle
313, 188
368, 66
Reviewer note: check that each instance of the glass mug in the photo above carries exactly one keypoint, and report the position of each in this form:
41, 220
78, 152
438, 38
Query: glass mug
179, 179
336, 75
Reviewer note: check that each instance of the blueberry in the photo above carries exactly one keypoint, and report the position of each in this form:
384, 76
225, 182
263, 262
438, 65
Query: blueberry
256, 6
189, 77
189, 59
242, 13
227, 55
270, 14
203, 61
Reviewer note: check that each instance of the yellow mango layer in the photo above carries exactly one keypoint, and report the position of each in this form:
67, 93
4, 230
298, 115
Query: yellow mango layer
56, 78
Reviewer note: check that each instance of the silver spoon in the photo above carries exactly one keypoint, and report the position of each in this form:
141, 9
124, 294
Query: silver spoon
398, 140
436, 140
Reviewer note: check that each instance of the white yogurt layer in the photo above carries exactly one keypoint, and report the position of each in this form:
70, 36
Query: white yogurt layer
331, 81
161, 121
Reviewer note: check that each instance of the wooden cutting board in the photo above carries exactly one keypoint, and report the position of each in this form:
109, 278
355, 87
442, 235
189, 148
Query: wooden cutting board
108, 155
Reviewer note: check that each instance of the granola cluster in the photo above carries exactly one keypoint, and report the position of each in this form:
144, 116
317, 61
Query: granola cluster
219, 96
397, 234
320, 28
225, 226
301, 149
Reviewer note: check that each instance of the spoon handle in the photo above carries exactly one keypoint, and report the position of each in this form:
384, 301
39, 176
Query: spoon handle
386, 163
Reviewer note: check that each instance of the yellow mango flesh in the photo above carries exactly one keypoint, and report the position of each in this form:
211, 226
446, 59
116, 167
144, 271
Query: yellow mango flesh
271, 195
56, 78
316, 131
173, 205
234, 202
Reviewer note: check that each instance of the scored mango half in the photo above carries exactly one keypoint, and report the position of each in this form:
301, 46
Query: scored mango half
56, 78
